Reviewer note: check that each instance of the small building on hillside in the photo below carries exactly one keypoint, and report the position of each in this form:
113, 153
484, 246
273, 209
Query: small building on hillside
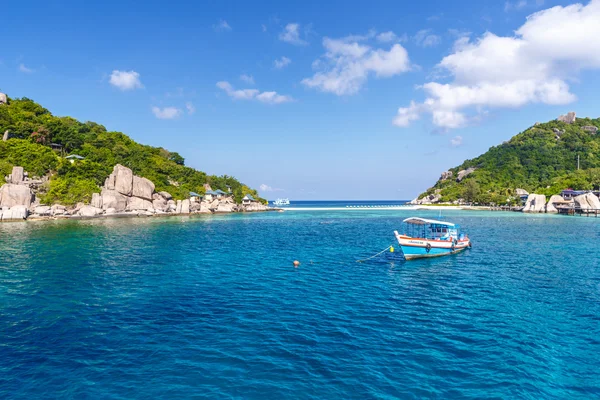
247, 200
569, 194
210, 195
74, 157
195, 197
221, 193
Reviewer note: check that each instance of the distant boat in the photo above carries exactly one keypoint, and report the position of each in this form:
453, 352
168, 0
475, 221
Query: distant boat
423, 238
281, 202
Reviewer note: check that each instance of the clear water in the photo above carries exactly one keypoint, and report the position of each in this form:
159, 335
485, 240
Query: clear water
211, 307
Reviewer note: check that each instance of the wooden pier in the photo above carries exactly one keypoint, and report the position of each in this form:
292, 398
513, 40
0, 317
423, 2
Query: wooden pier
578, 211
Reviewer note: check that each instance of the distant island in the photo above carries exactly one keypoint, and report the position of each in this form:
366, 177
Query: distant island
543, 160
59, 166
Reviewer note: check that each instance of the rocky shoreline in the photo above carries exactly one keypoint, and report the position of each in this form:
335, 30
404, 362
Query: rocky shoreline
123, 195
535, 203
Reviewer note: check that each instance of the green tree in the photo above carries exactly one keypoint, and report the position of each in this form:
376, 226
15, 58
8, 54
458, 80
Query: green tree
471, 191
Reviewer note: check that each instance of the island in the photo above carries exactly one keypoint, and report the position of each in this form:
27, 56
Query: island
59, 167
545, 161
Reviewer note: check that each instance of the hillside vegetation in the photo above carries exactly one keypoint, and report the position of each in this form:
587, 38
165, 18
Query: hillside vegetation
541, 159
33, 128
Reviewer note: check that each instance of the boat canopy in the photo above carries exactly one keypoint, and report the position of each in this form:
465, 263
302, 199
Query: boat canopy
423, 221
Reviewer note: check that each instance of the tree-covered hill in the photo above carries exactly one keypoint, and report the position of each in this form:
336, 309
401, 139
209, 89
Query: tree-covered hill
542, 159
33, 129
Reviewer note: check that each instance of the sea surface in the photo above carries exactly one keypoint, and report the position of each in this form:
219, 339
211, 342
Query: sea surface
212, 307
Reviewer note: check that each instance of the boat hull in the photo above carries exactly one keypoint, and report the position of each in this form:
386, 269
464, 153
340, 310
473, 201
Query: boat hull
414, 248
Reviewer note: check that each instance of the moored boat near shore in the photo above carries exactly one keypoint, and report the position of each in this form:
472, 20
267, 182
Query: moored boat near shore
424, 238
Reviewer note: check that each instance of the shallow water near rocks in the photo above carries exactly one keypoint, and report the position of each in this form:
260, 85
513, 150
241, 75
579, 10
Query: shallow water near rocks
211, 307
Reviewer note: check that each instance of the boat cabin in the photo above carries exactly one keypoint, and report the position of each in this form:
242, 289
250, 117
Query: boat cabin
431, 229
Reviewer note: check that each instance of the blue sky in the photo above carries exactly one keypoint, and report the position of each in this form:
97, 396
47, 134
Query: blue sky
309, 100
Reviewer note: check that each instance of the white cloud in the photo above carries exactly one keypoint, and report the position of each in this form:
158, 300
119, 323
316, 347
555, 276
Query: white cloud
521, 4
291, 34
456, 141
26, 70
267, 188
125, 80
166, 113
533, 66
390, 36
263, 27
272, 98
426, 38
247, 78
189, 106
222, 26
253, 94
408, 114
282, 62
517, 5
347, 64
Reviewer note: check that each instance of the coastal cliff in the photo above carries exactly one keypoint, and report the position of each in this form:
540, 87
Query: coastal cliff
544, 159
61, 166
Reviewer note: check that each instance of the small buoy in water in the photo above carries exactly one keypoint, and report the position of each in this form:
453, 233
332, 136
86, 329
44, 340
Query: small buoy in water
296, 264
391, 249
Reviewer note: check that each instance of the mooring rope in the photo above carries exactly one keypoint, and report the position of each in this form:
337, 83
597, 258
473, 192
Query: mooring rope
382, 251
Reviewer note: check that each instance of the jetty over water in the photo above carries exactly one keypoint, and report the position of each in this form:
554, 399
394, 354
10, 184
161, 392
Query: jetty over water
578, 211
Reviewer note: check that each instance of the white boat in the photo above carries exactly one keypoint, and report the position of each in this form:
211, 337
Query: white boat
281, 202
425, 238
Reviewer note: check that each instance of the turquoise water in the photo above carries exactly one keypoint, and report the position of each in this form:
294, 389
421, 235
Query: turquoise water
211, 307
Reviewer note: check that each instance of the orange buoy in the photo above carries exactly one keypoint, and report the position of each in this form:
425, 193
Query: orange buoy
296, 263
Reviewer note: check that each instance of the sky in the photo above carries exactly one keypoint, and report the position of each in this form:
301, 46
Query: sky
309, 99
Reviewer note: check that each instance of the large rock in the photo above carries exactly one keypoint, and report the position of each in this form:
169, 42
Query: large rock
96, 200
15, 195
160, 204
569, 118
200, 208
6, 135
553, 202
536, 203
113, 199
185, 206
171, 205
225, 207
3, 98
214, 205
57, 209
137, 204
462, 174
143, 188
16, 213
123, 180
43, 210
89, 211
178, 209
255, 206
587, 202
446, 175
166, 195
17, 175
109, 183
591, 129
